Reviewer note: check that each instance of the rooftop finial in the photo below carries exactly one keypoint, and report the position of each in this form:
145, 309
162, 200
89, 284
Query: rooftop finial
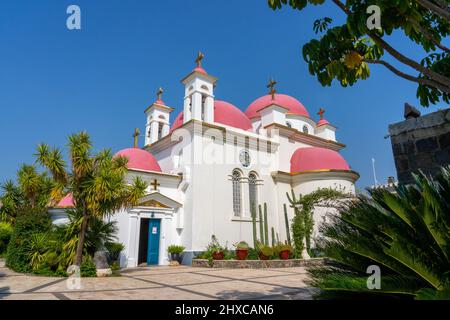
321, 112
136, 136
271, 86
199, 59
159, 93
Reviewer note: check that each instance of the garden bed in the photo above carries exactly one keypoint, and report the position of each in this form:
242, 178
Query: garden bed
258, 264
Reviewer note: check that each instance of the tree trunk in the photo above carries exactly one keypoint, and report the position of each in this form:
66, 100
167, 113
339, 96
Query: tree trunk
80, 246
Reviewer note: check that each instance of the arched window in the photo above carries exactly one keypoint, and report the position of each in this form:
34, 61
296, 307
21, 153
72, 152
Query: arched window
236, 180
305, 129
252, 190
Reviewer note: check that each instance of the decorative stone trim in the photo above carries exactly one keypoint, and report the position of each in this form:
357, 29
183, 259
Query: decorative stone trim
259, 264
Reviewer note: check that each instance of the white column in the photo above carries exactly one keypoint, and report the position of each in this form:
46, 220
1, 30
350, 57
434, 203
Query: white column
209, 109
186, 110
153, 131
197, 106
133, 240
165, 129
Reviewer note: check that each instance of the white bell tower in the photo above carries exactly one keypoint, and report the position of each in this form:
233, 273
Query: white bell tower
158, 120
199, 94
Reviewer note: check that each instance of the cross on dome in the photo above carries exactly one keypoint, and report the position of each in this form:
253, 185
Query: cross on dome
136, 136
159, 96
321, 112
199, 59
271, 86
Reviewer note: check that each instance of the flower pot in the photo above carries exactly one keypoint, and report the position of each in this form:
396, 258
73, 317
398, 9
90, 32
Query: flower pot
284, 255
263, 257
217, 255
176, 257
241, 254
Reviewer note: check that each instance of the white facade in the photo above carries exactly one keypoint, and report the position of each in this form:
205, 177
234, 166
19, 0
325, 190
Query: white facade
211, 169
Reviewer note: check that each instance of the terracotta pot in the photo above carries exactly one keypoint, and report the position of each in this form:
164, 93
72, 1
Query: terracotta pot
263, 257
284, 255
218, 255
241, 254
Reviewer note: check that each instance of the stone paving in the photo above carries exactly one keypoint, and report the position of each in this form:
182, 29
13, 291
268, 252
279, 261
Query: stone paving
172, 283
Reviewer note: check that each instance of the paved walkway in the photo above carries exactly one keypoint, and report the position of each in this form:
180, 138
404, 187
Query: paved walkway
163, 283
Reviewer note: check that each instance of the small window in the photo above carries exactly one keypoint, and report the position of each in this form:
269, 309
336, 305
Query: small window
160, 128
305, 129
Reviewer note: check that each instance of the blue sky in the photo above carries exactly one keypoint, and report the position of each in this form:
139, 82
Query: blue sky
54, 82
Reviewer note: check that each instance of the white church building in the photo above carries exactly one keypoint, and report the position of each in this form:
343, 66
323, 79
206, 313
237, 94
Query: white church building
208, 166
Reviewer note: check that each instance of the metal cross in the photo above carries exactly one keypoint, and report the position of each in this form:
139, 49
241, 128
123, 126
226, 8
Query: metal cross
320, 113
159, 93
199, 59
136, 136
271, 86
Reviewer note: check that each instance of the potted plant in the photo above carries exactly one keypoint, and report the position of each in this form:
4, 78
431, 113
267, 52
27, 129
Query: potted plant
241, 250
284, 251
217, 251
265, 252
175, 252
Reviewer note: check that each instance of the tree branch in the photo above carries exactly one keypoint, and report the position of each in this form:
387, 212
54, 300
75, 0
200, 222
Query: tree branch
413, 64
438, 10
397, 55
429, 36
403, 75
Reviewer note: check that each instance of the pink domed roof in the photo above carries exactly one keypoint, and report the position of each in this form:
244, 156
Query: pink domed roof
66, 202
139, 159
282, 100
224, 113
322, 122
313, 159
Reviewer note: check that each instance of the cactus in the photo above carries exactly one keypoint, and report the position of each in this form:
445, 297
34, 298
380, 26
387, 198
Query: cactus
278, 238
255, 237
261, 226
266, 226
286, 220
273, 237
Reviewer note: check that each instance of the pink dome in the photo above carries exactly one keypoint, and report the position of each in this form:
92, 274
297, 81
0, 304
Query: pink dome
139, 159
282, 100
66, 202
224, 113
322, 122
313, 159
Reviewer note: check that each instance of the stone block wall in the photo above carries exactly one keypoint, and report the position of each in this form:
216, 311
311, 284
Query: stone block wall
421, 143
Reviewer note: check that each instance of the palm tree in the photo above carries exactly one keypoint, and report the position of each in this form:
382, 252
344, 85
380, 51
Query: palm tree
32, 191
96, 181
405, 233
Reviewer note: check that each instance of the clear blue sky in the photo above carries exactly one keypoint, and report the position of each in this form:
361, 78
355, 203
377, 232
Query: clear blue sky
54, 82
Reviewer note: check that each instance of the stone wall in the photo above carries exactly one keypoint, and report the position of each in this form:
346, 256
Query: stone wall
258, 264
421, 143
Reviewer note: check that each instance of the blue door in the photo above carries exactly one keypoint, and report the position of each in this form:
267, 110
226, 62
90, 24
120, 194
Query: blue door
153, 241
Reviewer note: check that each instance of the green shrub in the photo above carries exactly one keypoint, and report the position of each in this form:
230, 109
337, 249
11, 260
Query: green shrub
253, 254
115, 266
6, 231
27, 223
175, 249
267, 251
114, 249
87, 268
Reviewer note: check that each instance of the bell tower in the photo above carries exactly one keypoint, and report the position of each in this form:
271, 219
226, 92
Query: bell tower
199, 94
158, 116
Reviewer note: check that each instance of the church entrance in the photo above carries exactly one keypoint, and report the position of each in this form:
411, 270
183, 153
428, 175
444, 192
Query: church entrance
150, 231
